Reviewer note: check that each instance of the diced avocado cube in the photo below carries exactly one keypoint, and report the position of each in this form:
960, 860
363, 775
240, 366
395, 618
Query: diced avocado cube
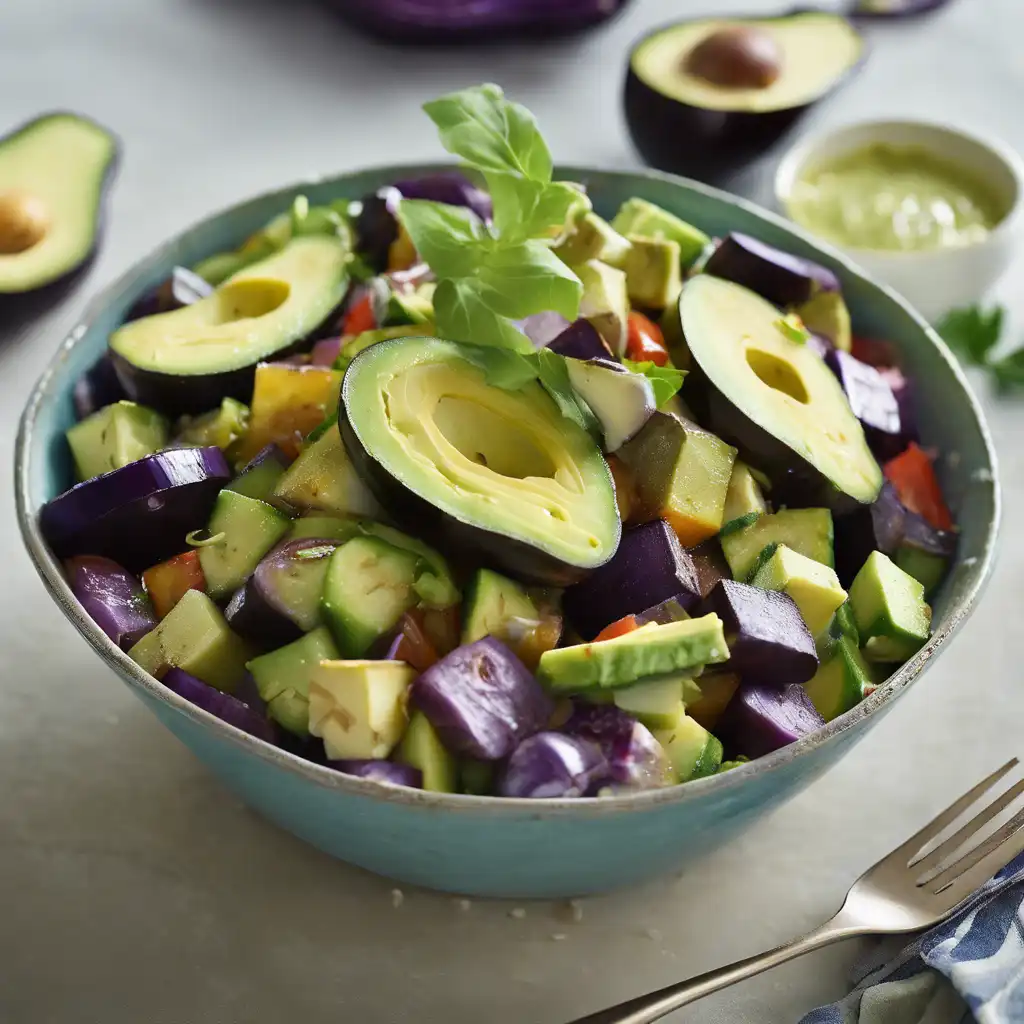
412, 308
675, 648
114, 436
825, 314
358, 708
221, 427
593, 238
653, 276
247, 529
259, 479
656, 704
194, 637
369, 586
841, 682
605, 302
640, 217
421, 748
492, 601
814, 587
682, 475
807, 530
927, 568
743, 497
282, 678
889, 608
323, 478
692, 751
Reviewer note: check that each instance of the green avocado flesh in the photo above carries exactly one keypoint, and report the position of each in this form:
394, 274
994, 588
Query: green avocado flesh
52, 176
506, 462
259, 311
783, 387
815, 50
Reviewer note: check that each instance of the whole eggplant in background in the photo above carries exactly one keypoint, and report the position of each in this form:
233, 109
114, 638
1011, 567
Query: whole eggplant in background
452, 21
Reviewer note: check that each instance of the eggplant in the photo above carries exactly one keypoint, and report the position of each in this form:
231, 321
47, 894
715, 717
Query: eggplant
139, 514
543, 328
227, 708
622, 401
661, 614
711, 566
780, 277
391, 773
325, 352
182, 288
873, 403
449, 187
581, 340
769, 643
112, 597
445, 21
650, 566
761, 719
636, 760
552, 766
482, 700
906, 401
281, 600
97, 387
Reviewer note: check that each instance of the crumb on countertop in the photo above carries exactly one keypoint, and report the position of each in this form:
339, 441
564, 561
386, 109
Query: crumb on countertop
397, 898
518, 913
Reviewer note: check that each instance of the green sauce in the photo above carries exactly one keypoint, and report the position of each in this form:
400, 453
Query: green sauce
895, 198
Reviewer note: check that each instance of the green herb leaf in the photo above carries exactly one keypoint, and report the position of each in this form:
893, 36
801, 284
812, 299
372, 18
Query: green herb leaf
665, 380
1009, 371
554, 375
490, 132
792, 327
502, 367
972, 332
451, 239
524, 208
462, 314
518, 280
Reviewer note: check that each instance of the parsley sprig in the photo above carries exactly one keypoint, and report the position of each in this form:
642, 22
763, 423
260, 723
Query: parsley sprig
973, 334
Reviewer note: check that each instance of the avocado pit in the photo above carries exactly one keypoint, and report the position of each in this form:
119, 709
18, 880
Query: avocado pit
24, 222
737, 57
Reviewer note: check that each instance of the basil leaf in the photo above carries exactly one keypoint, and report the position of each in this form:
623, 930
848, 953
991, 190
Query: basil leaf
490, 132
462, 314
554, 375
452, 239
519, 280
972, 332
524, 208
665, 380
502, 368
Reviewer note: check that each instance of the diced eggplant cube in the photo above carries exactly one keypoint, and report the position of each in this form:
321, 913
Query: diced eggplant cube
550, 765
581, 340
761, 719
768, 640
873, 403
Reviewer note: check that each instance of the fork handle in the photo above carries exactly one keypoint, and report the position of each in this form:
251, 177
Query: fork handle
655, 1005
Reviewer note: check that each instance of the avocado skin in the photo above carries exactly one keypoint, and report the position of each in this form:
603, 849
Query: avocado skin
517, 559
17, 308
708, 144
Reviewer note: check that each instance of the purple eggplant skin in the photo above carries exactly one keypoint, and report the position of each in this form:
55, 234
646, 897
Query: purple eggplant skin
672, 610
19, 308
389, 772
780, 277
137, 515
227, 708
182, 288
325, 352
769, 643
761, 719
636, 760
551, 765
112, 597
650, 566
906, 400
430, 21
482, 700
97, 387
518, 559
581, 340
543, 328
873, 403
711, 566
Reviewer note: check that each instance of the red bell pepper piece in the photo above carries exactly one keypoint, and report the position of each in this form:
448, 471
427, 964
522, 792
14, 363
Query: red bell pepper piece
644, 341
917, 486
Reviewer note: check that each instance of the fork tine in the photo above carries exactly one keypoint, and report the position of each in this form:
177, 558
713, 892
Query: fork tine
934, 859
972, 871
913, 845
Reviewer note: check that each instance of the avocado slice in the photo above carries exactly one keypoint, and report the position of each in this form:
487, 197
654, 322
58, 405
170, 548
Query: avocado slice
498, 474
644, 219
890, 611
705, 96
187, 360
593, 238
114, 436
814, 587
774, 397
54, 174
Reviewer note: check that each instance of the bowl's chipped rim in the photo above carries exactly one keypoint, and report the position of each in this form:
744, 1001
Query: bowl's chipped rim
49, 568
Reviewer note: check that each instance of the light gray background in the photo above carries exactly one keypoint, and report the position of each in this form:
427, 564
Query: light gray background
132, 887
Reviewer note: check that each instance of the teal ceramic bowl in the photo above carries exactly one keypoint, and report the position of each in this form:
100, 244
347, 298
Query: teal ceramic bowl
523, 848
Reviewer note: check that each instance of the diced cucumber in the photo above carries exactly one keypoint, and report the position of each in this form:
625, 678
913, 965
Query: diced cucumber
926, 568
693, 752
369, 586
421, 748
259, 481
321, 527
743, 498
247, 529
889, 608
114, 436
194, 637
841, 682
656, 704
807, 530
492, 601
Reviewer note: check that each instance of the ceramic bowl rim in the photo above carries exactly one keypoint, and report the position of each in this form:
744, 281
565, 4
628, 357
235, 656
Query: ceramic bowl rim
804, 151
49, 570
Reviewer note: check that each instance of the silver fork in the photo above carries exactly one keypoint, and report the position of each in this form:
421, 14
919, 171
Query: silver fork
913, 888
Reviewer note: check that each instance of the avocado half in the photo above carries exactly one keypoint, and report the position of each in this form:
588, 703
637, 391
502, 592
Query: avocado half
763, 75
479, 471
55, 175
774, 397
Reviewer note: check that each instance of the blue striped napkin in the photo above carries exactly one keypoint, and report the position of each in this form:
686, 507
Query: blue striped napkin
969, 968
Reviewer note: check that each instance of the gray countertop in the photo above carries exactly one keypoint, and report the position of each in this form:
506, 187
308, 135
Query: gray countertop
134, 887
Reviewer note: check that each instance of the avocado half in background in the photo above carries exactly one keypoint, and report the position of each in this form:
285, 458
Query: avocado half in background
703, 97
55, 173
